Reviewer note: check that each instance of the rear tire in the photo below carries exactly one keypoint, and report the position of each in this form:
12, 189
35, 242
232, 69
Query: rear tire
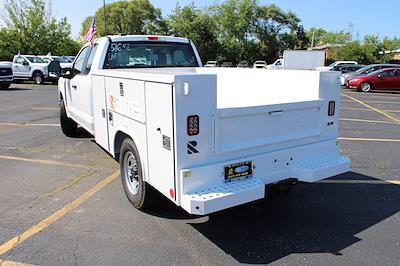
365, 87
139, 193
68, 126
38, 78
5, 85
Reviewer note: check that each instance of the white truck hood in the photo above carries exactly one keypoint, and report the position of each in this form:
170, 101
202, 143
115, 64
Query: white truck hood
6, 64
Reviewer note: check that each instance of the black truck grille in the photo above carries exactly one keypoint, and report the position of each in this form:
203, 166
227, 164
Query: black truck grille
5, 72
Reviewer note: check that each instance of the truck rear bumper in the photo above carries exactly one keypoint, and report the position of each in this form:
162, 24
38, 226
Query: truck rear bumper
204, 192
317, 170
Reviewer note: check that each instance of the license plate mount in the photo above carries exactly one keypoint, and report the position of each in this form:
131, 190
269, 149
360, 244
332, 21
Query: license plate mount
237, 171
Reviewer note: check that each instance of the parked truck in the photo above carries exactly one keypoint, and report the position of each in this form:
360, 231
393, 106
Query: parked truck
6, 75
30, 67
206, 138
300, 60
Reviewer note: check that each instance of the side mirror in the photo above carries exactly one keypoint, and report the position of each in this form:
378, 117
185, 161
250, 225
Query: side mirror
25, 63
67, 74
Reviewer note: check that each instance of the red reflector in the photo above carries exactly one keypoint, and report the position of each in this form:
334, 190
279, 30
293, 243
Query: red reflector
331, 108
193, 125
153, 38
172, 193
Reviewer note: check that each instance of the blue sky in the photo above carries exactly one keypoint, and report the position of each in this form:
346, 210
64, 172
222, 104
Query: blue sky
367, 17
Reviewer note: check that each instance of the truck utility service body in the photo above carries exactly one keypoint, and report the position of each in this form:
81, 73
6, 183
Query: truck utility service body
206, 138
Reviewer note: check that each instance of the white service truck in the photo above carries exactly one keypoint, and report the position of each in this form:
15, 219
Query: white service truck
300, 60
206, 138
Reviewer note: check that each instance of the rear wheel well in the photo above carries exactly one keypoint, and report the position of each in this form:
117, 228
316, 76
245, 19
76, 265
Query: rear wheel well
37, 72
119, 138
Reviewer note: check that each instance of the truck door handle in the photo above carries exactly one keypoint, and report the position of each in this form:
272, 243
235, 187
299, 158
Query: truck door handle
74, 87
279, 112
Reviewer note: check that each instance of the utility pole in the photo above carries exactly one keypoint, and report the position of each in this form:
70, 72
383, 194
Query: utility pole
105, 17
312, 39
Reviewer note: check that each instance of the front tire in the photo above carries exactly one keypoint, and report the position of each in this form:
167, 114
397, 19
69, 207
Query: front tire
139, 193
68, 126
38, 78
365, 87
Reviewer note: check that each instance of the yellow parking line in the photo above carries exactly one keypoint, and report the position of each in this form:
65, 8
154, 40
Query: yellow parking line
22, 159
28, 124
378, 102
45, 108
13, 263
363, 109
367, 121
373, 108
369, 182
17, 240
370, 139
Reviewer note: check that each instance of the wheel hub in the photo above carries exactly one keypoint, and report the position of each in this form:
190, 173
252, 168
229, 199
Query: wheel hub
131, 172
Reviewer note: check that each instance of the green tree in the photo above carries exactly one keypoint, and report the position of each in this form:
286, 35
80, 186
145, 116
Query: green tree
197, 25
276, 30
128, 17
323, 37
31, 28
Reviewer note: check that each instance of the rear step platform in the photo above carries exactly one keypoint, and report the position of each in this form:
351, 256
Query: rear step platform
224, 196
317, 170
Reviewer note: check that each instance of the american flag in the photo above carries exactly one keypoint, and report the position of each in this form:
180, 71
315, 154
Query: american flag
91, 32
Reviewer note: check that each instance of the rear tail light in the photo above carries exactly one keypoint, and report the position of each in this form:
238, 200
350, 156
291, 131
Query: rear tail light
193, 125
331, 108
153, 38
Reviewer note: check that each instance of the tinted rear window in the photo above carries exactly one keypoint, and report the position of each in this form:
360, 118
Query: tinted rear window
150, 55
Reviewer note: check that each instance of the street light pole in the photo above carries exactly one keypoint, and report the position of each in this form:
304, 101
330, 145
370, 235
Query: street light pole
105, 17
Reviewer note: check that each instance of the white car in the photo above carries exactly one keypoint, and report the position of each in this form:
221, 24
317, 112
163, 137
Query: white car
212, 64
260, 64
337, 63
278, 64
65, 62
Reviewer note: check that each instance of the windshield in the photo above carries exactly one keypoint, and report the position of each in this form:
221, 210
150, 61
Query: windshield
35, 59
62, 60
373, 72
367, 69
150, 55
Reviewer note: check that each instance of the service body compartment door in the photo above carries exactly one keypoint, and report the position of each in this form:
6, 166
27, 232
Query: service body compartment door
100, 112
160, 134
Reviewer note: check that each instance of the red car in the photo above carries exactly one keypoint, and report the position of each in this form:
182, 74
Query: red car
387, 79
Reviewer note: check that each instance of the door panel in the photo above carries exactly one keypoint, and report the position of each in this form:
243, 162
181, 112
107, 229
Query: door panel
79, 90
160, 141
100, 112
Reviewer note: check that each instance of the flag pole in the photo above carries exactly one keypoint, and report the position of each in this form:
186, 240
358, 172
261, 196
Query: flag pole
105, 17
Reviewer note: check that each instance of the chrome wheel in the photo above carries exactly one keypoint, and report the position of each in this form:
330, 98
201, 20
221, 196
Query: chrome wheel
131, 172
365, 87
38, 79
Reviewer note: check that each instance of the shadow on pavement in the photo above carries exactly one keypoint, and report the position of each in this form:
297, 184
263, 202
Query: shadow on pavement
314, 218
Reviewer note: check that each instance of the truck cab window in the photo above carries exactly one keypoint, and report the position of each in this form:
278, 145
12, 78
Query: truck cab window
80, 60
150, 55
21, 60
89, 62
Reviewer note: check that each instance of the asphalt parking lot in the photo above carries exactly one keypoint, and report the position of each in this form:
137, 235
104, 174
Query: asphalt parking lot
62, 203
